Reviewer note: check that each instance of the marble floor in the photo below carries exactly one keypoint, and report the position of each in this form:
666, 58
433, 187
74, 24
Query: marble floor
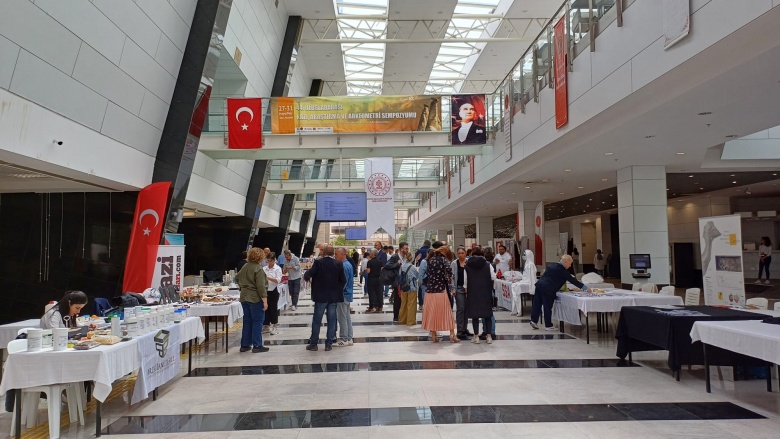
393, 382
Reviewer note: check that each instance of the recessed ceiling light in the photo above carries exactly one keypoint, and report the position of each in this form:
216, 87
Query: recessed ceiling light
667, 189
609, 153
560, 193
680, 153
567, 170
732, 136
690, 176
704, 113
528, 187
733, 175
734, 182
579, 187
701, 188
545, 180
774, 174
604, 179
649, 137
512, 193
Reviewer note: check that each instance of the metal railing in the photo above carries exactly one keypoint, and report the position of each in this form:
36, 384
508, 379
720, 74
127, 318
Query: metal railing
352, 171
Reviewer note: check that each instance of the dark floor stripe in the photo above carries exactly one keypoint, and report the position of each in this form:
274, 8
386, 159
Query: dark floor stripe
408, 365
444, 339
423, 415
385, 323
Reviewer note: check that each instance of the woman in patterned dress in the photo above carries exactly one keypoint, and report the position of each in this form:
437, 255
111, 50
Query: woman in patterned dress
437, 313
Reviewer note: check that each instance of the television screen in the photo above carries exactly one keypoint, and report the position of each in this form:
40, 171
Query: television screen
639, 261
340, 206
355, 233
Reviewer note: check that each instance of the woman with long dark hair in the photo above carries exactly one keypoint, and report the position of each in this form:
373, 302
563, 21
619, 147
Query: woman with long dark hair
437, 312
64, 313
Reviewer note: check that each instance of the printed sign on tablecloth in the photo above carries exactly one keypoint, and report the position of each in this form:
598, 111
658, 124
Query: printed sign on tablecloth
159, 361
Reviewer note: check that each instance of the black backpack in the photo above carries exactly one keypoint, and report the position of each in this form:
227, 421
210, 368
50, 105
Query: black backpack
403, 280
387, 276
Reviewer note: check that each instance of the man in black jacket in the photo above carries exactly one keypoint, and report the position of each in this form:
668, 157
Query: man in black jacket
394, 264
327, 289
547, 287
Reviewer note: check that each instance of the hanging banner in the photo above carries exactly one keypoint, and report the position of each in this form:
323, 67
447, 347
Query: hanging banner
471, 169
677, 21
539, 234
563, 241
148, 223
559, 61
168, 266
506, 116
355, 114
468, 119
379, 195
721, 260
244, 117
159, 353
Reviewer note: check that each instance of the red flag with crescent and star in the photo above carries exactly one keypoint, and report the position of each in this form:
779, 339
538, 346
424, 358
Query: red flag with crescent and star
244, 128
148, 224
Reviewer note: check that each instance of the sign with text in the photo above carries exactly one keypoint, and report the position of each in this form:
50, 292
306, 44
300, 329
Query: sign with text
340, 206
355, 114
721, 260
168, 266
159, 353
379, 190
561, 93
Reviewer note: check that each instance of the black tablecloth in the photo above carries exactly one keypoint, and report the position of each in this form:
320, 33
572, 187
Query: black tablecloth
644, 328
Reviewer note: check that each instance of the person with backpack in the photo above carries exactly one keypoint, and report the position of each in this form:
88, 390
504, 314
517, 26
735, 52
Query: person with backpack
390, 275
408, 286
422, 273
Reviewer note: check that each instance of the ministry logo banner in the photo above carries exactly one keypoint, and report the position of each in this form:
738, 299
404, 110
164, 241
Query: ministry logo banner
380, 209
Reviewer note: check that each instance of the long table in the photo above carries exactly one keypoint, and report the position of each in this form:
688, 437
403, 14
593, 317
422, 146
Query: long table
505, 293
569, 305
643, 328
751, 338
103, 365
227, 313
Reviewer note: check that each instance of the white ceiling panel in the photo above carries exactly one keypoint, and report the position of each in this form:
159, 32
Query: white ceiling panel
324, 61
311, 9
421, 10
409, 62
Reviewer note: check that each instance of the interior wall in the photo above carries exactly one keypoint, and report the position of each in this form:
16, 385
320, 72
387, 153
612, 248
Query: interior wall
588, 250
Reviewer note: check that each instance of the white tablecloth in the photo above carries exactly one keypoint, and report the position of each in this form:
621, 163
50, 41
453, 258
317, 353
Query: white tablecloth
569, 305
103, 364
506, 291
9, 331
747, 337
232, 310
284, 295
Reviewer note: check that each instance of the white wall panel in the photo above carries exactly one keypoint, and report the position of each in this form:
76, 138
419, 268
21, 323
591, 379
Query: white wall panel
185, 8
26, 25
203, 191
130, 130
169, 56
103, 76
133, 22
9, 53
153, 110
168, 20
39, 82
83, 19
147, 71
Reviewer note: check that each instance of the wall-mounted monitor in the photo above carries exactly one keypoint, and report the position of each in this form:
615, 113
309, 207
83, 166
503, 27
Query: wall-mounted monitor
340, 206
355, 233
639, 261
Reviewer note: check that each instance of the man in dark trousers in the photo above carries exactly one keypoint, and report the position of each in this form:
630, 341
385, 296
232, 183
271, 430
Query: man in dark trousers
547, 287
327, 289
394, 264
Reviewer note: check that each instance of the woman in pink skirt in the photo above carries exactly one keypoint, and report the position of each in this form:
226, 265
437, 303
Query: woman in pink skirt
437, 312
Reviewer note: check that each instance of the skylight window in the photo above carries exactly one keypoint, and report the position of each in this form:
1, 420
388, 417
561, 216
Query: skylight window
364, 63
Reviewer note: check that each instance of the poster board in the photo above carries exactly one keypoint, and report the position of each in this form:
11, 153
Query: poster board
721, 260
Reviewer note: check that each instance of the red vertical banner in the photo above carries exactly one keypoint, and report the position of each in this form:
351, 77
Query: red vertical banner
471, 169
148, 223
559, 61
244, 123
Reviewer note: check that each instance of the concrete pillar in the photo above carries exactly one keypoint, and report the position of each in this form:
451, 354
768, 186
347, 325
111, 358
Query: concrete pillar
526, 211
441, 235
458, 235
484, 231
643, 222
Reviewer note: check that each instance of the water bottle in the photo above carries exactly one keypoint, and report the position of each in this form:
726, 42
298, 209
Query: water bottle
116, 328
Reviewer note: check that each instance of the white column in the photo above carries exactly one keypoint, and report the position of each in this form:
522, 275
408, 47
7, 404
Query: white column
441, 235
484, 231
526, 211
643, 222
458, 235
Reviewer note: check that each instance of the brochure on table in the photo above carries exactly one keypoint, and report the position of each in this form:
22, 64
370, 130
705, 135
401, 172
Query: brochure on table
721, 260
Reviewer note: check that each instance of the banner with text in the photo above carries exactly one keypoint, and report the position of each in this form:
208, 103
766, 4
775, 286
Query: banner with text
168, 266
379, 195
539, 234
559, 60
159, 353
721, 260
355, 114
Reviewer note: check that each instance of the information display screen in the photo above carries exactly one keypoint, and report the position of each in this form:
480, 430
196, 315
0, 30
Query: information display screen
639, 261
341, 206
355, 233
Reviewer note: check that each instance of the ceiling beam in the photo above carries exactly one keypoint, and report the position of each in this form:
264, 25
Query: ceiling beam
415, 41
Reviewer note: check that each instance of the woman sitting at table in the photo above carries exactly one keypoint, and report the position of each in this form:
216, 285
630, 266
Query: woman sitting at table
64, 313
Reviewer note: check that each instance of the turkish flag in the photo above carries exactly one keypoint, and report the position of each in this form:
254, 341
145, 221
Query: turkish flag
148, 223
245, 130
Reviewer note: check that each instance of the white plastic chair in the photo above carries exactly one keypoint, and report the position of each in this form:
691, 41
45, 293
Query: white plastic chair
649, 288
667, 291
31, 396
759, 302
692, 296
636, 287
24, 331
777, 306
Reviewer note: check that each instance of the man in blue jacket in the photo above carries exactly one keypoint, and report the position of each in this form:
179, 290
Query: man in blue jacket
547, 287
327, 290
342, 308
422, 252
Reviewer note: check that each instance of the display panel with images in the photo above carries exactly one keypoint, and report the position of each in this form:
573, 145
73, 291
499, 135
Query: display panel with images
468, 120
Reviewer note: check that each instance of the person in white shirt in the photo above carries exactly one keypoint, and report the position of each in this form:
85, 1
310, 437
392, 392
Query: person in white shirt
65, 312
529, 277
764, 258
274, 275
503, 260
